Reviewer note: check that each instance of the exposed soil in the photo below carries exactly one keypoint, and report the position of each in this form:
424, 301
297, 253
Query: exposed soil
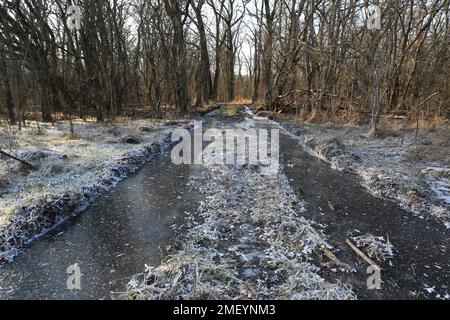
248, 240
415, 175
337, 200
111, 241
244, 235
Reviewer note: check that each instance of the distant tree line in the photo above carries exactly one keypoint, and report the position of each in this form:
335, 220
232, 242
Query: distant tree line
310, 57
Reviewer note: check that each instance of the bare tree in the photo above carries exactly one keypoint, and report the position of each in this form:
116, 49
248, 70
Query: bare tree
178, 13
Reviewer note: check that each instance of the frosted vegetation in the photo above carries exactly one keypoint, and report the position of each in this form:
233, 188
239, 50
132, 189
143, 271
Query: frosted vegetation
64, 164
415, 173
248, 240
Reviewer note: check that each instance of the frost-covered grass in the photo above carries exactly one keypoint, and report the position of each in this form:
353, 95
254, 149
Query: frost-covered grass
375, 247
248, 240
69, 172
387, 168
438, 179
93, 148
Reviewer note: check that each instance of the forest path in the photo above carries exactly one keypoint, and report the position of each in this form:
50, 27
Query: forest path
111, 241
128, 227
338, 200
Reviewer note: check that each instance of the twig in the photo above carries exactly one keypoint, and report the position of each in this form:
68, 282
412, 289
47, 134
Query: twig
330, 255
362, 255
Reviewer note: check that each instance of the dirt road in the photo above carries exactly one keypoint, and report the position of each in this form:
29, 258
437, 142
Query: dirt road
130, 227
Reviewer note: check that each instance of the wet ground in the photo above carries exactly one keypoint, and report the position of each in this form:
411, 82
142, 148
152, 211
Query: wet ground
130, 227
111, 242
337, 200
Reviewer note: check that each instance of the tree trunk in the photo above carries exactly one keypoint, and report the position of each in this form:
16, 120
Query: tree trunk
45, 104
204, 72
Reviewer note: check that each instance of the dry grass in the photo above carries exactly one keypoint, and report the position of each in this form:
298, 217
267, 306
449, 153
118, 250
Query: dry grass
242, 101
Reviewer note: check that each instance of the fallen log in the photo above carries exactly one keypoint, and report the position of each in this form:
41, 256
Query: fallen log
31, 166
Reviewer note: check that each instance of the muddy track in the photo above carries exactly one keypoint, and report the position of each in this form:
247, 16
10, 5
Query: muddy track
33, 221
112, 241
248, 239
337, 200
131, 226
